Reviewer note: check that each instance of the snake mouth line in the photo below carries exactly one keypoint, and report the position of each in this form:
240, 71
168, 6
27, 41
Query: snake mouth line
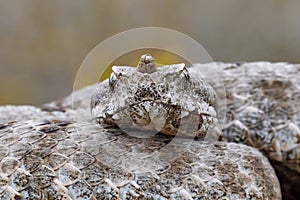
189, 124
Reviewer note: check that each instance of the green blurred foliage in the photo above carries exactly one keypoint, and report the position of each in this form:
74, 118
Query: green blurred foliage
43, 43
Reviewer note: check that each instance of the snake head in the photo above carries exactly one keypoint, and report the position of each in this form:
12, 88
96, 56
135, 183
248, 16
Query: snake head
170, 99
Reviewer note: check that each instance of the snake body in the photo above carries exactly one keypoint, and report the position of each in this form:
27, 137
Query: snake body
46, 153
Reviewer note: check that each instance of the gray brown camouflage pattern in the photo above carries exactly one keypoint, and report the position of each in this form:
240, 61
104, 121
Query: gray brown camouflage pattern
46, 153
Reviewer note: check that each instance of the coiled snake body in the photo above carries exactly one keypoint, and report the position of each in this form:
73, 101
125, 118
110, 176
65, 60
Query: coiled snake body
46, 153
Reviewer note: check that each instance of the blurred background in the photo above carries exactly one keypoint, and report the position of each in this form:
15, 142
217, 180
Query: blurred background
43, 43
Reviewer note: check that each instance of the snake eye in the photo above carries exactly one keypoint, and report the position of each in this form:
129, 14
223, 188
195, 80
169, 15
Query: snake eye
184, 75
112, 80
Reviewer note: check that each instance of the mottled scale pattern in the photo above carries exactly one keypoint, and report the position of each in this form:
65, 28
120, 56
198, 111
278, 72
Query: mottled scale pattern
62, 160
264, 110
57, 151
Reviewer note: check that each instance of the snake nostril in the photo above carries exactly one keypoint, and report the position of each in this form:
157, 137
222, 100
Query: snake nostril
141, 120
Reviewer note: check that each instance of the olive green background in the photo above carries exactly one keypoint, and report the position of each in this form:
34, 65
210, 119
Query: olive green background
43, 43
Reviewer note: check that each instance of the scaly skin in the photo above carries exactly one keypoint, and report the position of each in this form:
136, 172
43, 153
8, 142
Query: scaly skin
50, 154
